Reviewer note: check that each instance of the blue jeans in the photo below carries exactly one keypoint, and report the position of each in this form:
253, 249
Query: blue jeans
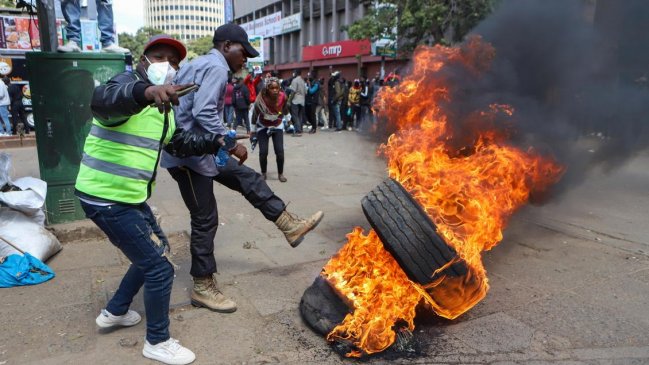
4, 113
72, 13
339, 122
134, 231
228, 112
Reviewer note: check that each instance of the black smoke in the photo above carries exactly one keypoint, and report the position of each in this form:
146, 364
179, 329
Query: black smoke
576, 73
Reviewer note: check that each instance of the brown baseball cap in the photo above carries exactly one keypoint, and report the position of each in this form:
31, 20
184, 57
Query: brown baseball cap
168, 40
234, 33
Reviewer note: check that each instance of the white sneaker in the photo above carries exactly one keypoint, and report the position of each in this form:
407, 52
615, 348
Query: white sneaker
71, 46
168, 352
106, 319
113, 48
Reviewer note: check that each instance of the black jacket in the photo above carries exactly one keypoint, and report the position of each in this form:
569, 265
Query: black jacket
241, 96
15, 94
123, 97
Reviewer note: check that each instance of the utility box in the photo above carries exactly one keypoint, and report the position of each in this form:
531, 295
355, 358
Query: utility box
61, 87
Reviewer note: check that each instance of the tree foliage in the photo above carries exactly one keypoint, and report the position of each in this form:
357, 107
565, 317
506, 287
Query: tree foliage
418, 22
136, 42
7, 4
199, 46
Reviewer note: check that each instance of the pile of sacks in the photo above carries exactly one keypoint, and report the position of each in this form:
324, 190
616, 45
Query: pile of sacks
24, 241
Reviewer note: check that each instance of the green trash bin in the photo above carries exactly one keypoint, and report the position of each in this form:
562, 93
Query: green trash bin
61, 86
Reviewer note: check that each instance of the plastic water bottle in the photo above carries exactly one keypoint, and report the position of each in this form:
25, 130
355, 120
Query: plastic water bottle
222, 156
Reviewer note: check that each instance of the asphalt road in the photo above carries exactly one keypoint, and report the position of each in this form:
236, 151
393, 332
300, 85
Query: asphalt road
569, 282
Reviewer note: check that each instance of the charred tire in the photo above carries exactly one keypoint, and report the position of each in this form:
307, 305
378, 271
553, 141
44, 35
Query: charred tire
321, 308
408, 233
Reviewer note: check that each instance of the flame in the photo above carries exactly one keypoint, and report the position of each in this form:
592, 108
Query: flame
468, 189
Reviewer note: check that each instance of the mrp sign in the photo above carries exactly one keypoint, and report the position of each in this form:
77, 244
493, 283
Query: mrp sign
336, 49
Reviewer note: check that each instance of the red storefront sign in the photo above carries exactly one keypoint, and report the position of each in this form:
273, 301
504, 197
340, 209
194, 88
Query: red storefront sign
336, 49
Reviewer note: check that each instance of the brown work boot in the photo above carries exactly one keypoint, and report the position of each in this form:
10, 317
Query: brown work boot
206, 294
295, 228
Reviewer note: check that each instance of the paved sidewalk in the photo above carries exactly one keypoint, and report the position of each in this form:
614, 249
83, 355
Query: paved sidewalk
569, 283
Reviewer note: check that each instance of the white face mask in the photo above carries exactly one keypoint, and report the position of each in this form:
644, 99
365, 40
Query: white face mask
160, 73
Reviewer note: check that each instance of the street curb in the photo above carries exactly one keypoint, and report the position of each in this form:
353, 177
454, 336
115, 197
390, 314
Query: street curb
13, 142
76, 231
85, 230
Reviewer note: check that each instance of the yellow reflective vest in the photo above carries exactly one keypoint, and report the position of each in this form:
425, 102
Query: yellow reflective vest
119, 163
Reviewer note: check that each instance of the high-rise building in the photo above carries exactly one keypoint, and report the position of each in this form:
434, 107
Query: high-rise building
189, 19
309, 34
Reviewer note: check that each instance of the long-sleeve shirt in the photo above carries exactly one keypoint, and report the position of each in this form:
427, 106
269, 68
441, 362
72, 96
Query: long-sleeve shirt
4, 95
202, 110
299, 90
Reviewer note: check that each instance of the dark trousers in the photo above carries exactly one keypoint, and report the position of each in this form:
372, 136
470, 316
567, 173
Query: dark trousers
366, 118
18, 115
309, 111
198, 194
297, 116
134, 231
356, 116
332, 117
277, 135
241, 118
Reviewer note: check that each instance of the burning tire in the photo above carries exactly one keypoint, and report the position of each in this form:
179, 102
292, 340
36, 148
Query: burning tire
321, 308
408, 233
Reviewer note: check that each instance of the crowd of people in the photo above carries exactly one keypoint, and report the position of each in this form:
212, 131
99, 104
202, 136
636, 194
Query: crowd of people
337, 104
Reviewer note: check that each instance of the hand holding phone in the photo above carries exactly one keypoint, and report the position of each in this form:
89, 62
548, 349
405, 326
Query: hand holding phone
186, 90
163, 96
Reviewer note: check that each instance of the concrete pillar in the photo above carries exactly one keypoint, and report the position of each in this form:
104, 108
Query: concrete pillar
301, 41
348, 17
276, 51
311, 24
323, 23
282, 41
334, 22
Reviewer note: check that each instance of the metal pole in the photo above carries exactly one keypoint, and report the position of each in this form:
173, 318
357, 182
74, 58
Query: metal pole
47, 25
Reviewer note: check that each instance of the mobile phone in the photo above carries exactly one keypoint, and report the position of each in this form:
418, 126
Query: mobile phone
187, 90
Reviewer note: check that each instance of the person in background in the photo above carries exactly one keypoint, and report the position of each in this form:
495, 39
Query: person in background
241, 100
365, 103
354, 102
392, 79
268, 112
132, 121
311, 102
320, 110
345, 110
196, 175
249, 82
72, 13
4, 106
228, 107
16, 107
296, 102
335, 96
258, 81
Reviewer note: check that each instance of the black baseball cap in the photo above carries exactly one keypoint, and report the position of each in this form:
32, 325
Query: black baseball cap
234, 33
168, 40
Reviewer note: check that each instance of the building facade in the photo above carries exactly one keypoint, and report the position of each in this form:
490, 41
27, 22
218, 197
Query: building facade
189, 19
307, 34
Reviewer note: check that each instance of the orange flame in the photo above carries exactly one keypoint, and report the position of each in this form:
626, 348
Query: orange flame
469, 193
